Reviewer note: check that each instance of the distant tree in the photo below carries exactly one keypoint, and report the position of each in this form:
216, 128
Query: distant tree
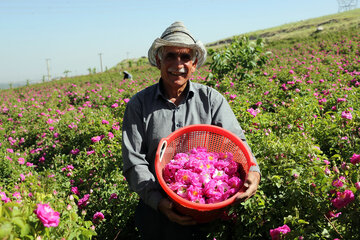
89, 69
66, 72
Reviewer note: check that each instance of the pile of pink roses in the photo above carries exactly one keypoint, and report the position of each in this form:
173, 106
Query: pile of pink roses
203, 177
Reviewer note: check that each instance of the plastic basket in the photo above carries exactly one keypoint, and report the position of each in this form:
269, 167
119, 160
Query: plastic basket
215, 139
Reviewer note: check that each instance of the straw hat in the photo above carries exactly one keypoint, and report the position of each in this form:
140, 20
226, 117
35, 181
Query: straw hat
177, 35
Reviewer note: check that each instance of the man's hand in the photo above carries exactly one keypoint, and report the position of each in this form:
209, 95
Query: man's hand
166, 207
251, 183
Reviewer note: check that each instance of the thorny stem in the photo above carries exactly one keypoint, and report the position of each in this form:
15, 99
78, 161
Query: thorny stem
333, 226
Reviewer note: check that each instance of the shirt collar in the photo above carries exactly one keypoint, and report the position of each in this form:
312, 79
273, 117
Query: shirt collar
189, 90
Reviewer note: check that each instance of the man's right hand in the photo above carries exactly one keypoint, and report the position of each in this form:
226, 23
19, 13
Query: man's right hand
166, 207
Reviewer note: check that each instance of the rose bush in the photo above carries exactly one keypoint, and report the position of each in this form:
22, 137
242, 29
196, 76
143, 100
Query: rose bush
60, 144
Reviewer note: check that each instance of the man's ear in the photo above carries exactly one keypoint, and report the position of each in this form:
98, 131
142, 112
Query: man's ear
158, 62
194, 64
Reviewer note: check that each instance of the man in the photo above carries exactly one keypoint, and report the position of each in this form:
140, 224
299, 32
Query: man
157, 111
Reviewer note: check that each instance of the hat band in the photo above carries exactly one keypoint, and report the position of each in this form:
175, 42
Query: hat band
162, 37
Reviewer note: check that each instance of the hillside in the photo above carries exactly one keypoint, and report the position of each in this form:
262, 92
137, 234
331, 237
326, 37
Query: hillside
285, 33
301, 29
276, 35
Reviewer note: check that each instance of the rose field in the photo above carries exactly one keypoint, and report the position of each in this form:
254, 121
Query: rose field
297, 102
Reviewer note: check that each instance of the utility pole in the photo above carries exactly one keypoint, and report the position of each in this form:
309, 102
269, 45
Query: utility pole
101, 67
48, 68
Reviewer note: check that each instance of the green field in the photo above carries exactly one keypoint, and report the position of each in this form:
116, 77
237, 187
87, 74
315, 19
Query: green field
60, 141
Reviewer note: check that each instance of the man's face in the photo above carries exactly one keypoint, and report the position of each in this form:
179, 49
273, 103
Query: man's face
176, 66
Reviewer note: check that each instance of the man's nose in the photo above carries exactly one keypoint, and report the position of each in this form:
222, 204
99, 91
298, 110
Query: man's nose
178, 61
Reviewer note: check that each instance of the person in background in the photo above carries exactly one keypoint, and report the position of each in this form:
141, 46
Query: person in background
157, 111
127, 75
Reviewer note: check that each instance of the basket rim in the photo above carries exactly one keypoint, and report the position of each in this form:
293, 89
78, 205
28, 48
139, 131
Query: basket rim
192, 128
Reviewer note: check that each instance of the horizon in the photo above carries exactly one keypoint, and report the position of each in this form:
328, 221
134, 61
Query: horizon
77, 35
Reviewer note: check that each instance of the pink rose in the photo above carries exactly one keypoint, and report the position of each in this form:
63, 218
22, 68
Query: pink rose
21, 161
331, 214
232, 96
278, 232
75, 190
84, 201
346, 115
355, 158
343, 199
97, 138
47, 215
113, 196
253, 111
110, 135
98, 216
339, 182
4, 198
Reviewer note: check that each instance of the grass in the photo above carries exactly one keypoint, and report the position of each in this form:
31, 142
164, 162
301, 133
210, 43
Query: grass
301, 29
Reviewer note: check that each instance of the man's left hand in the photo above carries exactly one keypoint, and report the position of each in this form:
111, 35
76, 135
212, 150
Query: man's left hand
251, 184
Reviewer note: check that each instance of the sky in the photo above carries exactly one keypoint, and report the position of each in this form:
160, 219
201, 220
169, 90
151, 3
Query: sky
41, 36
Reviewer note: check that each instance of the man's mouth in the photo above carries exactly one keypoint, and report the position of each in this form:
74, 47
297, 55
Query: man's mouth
177, 72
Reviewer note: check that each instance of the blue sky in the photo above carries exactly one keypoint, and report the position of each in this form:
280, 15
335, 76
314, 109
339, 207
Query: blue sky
72, 33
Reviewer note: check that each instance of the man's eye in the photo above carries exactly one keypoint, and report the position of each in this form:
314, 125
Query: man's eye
185, 57
170, 56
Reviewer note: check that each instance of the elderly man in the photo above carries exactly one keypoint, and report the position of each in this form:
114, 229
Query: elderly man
157, 111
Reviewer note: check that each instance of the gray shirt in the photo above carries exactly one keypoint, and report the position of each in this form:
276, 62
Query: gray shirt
149, 117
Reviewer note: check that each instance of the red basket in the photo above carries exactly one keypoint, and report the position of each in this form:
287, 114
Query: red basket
215, 139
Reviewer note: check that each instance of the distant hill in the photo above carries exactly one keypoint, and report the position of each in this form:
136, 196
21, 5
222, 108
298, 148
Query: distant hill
300, 29
287, 32
7, 85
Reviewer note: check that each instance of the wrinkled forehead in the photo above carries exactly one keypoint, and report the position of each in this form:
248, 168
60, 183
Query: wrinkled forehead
174, 49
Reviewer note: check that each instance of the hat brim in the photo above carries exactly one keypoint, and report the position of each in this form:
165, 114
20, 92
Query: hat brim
197, 46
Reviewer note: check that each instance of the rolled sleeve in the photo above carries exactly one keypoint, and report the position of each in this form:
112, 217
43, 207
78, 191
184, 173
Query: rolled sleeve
136, 168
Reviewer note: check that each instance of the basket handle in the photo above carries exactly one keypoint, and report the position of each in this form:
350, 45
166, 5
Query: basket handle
162, 149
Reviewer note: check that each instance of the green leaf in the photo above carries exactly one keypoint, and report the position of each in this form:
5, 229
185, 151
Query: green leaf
25, 230
5, 230
18, 221
301, 221
325, 233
